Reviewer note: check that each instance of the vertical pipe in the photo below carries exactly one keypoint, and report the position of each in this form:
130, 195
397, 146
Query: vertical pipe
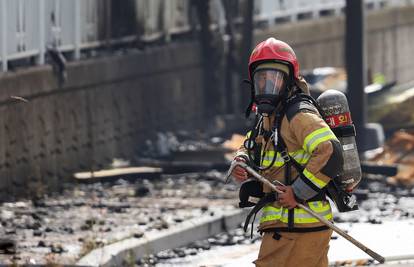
77, 29
170, 7
316, 7
3, 10
294, 11
58, 25
42, 42
355, 66
20, 27
108, 22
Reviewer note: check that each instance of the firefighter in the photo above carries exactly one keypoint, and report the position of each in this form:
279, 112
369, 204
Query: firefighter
290, 142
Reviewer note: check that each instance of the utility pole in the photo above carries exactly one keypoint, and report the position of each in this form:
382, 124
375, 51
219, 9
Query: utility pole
355, 66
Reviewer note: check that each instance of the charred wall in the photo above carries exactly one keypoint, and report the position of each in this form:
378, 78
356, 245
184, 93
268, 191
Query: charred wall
106, 109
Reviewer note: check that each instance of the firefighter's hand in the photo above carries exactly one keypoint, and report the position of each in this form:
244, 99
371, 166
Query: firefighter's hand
239, 173
287, 197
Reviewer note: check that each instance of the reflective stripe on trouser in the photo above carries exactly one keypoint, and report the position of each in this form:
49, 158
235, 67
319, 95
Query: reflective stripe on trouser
316, 137
301, 157
322, 208
295, 249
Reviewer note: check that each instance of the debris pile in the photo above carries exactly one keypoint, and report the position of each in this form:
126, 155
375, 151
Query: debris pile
393, 109
175, 256
168, 145
399, 150
60, 229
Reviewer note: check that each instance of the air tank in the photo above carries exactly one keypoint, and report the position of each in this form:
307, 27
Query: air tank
337, 115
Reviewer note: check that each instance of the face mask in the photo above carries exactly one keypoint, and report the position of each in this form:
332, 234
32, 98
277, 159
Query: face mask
269, 85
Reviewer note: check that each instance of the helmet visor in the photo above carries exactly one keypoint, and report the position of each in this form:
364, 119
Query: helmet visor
269, 81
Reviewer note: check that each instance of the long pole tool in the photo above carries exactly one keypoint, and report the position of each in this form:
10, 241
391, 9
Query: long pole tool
328, 223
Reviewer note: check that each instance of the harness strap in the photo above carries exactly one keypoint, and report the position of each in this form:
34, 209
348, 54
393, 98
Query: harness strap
288, 160
288, 178
268, 198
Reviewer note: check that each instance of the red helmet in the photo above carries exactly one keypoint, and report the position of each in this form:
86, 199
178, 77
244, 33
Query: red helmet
276, 51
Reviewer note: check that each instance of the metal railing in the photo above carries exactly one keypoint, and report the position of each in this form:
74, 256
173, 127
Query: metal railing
272, 11
28, 27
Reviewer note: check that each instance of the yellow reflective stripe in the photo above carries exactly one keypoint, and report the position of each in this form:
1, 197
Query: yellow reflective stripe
271, 213
298, 218
317, 206
268, 157
277, 163
248, 134
309, 220
301, 156
323, 209
269, 208
269, 218
318, 182
313, 139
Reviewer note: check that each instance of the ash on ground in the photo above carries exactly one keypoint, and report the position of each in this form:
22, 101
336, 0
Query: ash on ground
61, 229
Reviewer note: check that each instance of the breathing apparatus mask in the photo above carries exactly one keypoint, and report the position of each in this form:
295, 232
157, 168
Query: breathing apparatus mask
269, 90
270, 82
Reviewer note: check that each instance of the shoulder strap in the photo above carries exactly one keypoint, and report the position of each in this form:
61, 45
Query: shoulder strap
301, 102
293, 105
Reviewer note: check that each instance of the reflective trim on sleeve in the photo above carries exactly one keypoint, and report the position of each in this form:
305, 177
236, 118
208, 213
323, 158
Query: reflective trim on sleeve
313, 139
318, 182
301, 156
303, 190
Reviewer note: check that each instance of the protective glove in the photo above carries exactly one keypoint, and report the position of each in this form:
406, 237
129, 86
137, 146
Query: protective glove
239, 173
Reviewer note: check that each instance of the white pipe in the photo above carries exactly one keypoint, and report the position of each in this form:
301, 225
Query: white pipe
3, 36
42, 41
77, 29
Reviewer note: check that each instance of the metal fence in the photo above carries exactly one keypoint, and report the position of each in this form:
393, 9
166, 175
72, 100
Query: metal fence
28, 27
271, 11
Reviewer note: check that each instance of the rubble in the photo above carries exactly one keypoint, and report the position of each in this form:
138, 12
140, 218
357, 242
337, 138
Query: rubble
399, 150
103, 213
394, 108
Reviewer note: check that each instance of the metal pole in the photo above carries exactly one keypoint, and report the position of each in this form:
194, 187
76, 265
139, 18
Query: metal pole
42, 42
169, 10
355, 66
262, 179
3, 10
20, 26
294, 11
77, 29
